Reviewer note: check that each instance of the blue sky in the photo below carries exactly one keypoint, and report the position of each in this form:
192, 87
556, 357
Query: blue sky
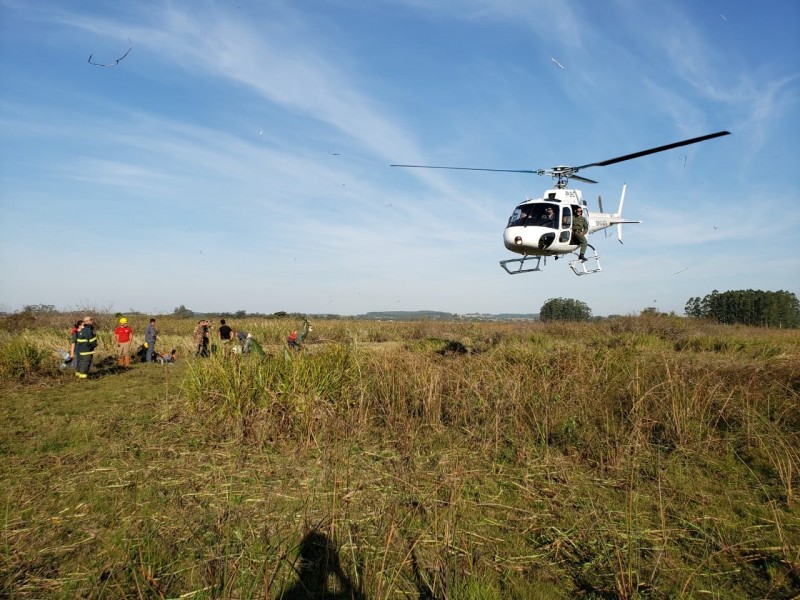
238, 157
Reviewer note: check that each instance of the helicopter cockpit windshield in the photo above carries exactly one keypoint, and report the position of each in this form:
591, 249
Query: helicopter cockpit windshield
539, 214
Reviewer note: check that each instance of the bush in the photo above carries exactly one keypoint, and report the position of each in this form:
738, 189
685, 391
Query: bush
20, 360
565, 309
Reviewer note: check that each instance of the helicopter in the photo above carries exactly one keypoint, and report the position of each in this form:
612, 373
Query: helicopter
542, 227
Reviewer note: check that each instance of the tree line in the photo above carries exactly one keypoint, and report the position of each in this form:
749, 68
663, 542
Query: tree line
747, 307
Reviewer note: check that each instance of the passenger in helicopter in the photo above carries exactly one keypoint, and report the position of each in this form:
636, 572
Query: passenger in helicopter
549, 218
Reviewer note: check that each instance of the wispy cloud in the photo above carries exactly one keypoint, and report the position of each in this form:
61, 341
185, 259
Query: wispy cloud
282, 64
255, 141
752, 99
548, 19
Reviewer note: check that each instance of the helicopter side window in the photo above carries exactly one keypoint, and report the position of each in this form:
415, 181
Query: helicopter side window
566, 225
566, 218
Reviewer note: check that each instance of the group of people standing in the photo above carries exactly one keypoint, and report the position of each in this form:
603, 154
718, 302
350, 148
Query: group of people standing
83, 342
230, 341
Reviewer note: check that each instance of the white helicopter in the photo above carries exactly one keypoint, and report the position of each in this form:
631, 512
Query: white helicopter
542, 227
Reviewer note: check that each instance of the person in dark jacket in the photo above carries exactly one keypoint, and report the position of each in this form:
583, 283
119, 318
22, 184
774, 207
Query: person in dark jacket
201, 336
85, 343
150, 337
226, 336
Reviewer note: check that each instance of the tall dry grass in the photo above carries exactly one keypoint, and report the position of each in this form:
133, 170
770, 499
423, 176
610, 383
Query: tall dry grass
628, 458
560, 384
619, 399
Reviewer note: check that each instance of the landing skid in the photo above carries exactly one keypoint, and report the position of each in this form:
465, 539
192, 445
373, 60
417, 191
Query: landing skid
592, 265
515, 266
521, 261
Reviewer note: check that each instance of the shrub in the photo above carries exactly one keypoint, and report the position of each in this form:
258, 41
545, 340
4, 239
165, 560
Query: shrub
20, 359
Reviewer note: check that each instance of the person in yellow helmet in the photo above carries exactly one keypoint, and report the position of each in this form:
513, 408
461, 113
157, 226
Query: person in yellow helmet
123, 336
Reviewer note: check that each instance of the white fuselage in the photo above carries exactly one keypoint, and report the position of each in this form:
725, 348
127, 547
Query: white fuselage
531, 230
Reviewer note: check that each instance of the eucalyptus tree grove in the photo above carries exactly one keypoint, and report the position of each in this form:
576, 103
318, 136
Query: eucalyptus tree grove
748, 307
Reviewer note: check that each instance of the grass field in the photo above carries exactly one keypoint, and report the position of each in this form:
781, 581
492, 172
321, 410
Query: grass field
629, 458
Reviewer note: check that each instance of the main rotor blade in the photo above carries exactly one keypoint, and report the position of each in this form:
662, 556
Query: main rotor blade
583, 179
469, 169
612, 161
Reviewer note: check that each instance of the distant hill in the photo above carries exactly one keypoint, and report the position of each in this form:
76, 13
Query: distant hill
435, 315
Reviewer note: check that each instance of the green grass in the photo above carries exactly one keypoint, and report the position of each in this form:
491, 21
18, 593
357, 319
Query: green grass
609, 460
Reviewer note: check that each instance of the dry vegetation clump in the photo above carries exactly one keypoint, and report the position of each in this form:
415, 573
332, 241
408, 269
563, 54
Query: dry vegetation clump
23, 360
626, 458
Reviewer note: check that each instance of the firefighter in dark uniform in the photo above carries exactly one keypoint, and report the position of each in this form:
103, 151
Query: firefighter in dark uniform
85, 343
580, 226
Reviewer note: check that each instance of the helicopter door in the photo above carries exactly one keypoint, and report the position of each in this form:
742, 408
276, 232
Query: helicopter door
566, 225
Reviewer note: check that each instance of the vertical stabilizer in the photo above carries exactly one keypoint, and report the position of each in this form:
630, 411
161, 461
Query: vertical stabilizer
619, 212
